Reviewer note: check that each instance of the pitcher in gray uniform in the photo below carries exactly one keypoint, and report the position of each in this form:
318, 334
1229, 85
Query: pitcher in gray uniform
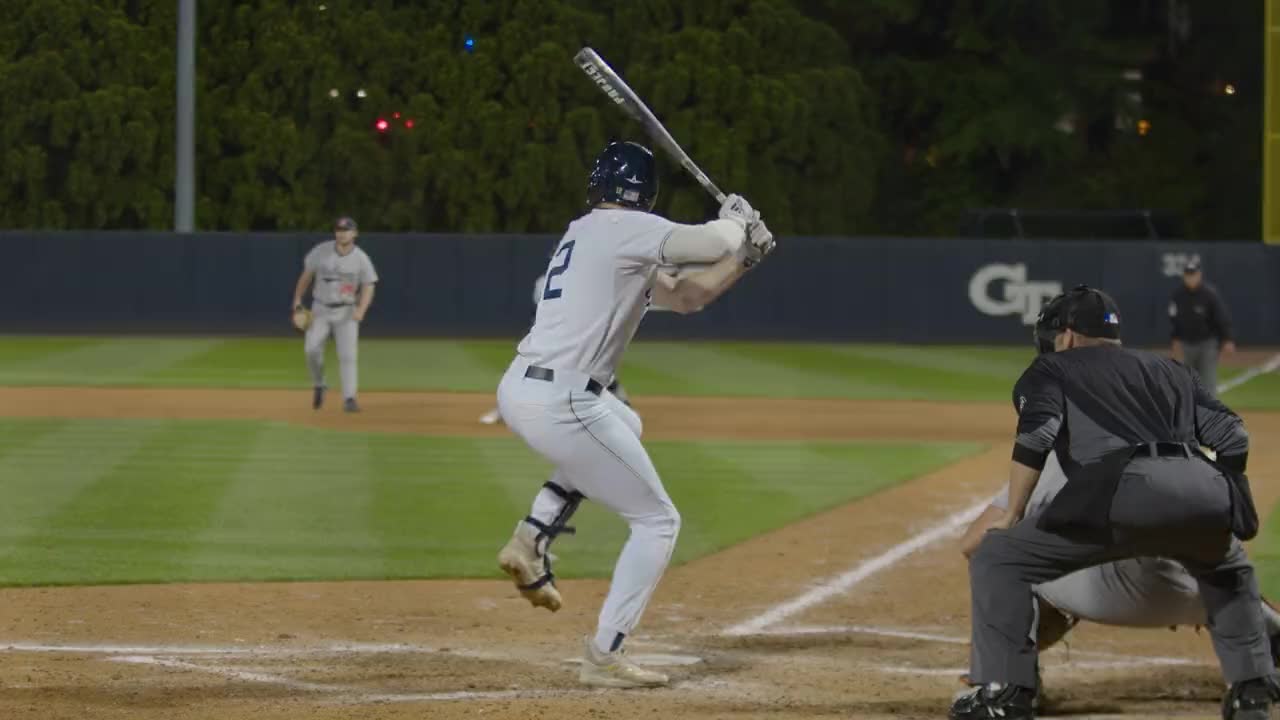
344, 282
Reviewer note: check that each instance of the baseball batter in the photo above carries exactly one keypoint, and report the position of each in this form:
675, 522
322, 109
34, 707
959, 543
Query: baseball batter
344, 283
599, 284
494, 416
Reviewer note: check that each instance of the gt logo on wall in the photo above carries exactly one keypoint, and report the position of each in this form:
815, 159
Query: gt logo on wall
999, 289
1173, 263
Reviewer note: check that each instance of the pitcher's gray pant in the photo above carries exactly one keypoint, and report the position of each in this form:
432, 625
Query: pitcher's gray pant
1171, 507
1203, 358
346, 336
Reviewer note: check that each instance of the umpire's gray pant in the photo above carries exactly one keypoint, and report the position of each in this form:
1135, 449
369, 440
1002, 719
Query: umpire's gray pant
1203, 358
1170, 507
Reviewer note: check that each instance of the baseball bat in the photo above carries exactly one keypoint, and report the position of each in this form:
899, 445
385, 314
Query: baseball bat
625, 98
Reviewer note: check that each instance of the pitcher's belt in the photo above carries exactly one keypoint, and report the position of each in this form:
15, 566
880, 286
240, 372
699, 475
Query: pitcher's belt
533, 372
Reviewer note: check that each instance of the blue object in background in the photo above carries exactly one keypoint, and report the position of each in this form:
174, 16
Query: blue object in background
469, 44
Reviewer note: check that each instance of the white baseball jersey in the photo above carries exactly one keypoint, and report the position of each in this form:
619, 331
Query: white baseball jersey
338, 277
597, 289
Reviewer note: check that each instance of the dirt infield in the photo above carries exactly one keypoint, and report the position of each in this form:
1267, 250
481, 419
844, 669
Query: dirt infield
858, 612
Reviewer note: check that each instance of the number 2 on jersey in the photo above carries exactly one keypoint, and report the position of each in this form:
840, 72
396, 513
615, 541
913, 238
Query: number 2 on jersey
550, 293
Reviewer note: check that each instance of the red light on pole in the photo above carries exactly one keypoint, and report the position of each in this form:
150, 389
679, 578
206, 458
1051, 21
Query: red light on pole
381, 125
409, 123
395, 115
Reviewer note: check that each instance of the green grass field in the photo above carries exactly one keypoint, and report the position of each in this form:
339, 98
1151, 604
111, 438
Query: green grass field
106, 501
110, 501
890, 372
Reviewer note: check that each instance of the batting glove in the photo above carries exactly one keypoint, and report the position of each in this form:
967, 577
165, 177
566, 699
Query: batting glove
736, 208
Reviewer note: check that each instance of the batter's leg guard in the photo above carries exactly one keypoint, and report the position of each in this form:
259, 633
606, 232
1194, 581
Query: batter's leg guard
526, 558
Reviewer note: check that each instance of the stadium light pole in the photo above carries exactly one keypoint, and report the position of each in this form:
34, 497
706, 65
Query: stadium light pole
1271, 127
184, 181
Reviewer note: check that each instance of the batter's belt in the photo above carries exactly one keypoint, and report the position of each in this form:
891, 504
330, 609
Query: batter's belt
533, 372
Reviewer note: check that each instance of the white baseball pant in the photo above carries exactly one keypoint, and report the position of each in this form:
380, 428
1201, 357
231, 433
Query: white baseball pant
594, 442
346, 336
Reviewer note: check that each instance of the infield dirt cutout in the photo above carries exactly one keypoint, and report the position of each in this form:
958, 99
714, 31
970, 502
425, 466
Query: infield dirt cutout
861, 611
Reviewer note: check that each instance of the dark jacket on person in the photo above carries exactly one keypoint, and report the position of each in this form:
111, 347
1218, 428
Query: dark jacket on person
1199, 315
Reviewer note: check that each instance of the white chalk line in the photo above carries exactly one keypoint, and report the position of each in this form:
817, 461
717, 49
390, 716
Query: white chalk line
1269, 366
168, 656
243, 675
254, 650
356, 695
1072, 665
1117, 660
845, 581
266, 651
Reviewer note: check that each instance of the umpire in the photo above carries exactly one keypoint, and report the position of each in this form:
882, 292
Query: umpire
1127, 426
1201, 325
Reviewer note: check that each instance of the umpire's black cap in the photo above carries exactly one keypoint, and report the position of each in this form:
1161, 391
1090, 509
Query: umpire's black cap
344, 223
1088, 311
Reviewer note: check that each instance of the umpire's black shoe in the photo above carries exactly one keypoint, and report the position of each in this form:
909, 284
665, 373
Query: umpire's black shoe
350, 405
317, 397
993, 702
1251, 699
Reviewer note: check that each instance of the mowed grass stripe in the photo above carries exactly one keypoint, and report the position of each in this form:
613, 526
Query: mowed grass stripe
1260, 393
142, 511
23, 351
749, 369
213, 500
443, 509
107, 361
994, 363
728, 492
736, 369
294, 509
802, 370
1265, 552
46, 464
385, 365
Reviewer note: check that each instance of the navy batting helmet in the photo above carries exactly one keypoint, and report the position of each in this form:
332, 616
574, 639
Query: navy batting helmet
1086, 310
625, 174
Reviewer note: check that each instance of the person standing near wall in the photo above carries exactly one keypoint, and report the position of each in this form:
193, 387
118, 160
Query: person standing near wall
1201, 325
345, 279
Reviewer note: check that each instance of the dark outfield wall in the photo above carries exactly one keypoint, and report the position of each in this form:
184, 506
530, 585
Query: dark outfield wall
885, 289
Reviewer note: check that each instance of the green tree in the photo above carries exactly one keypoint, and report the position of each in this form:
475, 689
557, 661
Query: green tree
974, 96
86, 135
765, 98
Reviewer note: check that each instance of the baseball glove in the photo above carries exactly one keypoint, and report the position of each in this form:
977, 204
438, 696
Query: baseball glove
301, 318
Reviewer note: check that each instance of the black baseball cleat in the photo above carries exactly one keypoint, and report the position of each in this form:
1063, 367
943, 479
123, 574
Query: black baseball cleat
1251, 699
350, 405
317, 397
995, 702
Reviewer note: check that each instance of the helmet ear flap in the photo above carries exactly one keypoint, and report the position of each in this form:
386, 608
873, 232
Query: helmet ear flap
625, 174
1050, 323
